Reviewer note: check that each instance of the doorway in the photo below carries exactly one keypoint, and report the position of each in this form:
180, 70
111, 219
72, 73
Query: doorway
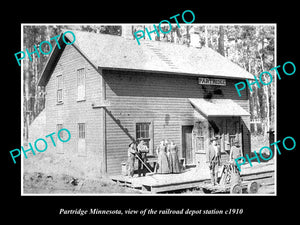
187, 149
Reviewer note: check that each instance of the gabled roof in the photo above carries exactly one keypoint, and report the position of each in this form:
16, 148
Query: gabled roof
115, 52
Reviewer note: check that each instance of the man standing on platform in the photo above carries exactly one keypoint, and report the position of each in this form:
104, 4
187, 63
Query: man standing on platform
131, 158
213, 155
142, 154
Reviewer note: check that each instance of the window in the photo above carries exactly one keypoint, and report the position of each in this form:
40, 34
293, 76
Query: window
234, 134
59, 89
201, 139
81, 130
81, 145
59, 127
143, 132
81, 84
232, 138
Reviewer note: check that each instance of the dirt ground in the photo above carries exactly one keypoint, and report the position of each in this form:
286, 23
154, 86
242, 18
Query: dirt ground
35, 182
266, 187
257, 142
40, 183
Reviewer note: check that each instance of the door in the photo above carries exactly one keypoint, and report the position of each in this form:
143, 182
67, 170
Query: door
187, 150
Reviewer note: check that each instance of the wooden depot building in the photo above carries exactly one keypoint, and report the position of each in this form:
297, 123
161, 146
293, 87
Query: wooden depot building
108, 90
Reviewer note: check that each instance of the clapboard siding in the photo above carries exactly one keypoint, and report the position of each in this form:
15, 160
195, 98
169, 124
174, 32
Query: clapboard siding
173, 86
71, 112
246, 126
158, 98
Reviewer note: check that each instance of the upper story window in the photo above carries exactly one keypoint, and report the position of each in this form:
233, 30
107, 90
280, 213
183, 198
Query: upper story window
80, 84
59, 89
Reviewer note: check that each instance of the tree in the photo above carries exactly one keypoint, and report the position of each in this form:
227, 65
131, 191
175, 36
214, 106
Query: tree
251, 47
221, 41
113, 30
34, 96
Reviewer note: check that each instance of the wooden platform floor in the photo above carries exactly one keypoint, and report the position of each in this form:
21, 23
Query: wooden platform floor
191, 178
155, 183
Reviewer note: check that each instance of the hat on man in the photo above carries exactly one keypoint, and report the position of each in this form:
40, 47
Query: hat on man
140, 140
130, 144
213, 139
236, 142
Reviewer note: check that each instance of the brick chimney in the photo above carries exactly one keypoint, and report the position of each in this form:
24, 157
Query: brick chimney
194, 38
127, 31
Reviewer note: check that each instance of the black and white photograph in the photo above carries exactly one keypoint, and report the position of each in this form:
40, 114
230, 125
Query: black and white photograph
149, 113
119, 110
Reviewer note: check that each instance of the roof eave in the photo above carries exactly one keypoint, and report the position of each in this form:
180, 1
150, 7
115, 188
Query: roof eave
52, 59
174, 73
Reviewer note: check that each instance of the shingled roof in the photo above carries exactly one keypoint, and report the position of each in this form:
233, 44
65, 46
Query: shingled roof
115, 52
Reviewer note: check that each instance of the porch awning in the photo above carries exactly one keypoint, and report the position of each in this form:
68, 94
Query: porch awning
218, 107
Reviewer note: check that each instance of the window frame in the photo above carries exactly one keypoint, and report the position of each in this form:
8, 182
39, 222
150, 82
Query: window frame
82, 131
81, 139
150, 133
79, 97
201, 138
59, 88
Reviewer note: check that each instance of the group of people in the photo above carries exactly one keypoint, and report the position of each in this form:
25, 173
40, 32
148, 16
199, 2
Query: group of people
137, 149
213, 156
167, 160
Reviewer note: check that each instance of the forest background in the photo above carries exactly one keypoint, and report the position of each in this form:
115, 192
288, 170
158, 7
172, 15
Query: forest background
250, 46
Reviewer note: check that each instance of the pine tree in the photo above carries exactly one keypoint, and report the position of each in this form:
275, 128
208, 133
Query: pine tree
251, 47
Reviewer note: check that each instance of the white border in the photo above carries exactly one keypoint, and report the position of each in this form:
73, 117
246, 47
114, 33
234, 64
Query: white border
118, 194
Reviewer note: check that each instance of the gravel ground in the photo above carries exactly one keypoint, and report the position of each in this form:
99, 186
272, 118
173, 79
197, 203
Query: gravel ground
39, 183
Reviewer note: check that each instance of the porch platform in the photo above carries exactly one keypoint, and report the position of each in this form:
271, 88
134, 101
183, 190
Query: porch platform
191, 178
156, 183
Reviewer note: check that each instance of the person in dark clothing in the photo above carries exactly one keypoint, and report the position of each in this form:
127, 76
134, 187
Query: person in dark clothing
142, 151
213, 155
235, 152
